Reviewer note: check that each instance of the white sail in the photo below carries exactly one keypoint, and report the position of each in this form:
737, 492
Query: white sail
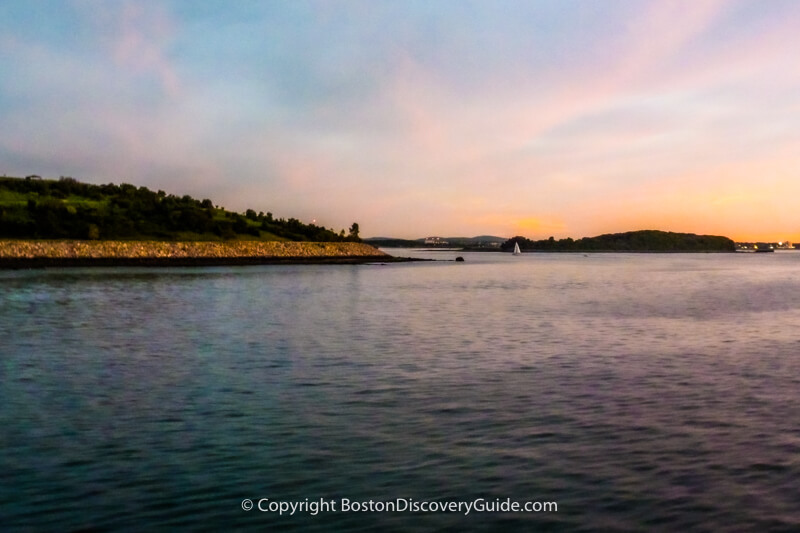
516, 249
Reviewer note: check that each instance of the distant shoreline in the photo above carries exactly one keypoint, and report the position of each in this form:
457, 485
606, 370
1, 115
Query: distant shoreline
490, 250
18, 254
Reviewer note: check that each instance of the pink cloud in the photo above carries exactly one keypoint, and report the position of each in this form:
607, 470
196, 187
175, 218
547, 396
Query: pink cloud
443, 123
142, 42
138, 35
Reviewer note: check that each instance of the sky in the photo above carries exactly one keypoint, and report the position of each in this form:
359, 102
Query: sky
413, 118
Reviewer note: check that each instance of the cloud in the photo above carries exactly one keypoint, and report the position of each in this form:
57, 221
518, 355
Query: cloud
137, 36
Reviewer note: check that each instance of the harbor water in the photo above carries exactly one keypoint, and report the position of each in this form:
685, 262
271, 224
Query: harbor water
637, 392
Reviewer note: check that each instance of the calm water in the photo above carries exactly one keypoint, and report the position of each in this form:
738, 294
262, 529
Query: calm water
639, 392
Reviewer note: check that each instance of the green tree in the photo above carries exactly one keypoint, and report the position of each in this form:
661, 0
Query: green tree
354, 233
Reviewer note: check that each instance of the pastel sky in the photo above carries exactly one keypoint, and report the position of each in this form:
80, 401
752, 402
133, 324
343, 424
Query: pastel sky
416, 118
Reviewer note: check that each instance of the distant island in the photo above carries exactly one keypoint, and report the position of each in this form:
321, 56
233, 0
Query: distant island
35, 208
631, 241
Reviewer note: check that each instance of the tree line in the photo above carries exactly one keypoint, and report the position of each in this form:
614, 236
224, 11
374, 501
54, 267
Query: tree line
69, 209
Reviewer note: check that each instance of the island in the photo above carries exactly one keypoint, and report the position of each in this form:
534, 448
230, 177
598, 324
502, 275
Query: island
631, 241
64, 222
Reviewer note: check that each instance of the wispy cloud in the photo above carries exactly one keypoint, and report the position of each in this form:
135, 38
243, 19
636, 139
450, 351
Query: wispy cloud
137, 36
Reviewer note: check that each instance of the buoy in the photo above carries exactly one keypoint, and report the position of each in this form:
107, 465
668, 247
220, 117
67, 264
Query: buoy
459, 258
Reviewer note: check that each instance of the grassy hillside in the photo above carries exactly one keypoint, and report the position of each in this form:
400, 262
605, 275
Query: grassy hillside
631, 241
34, 208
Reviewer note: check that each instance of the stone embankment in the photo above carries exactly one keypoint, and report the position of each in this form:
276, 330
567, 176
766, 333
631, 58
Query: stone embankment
25, 254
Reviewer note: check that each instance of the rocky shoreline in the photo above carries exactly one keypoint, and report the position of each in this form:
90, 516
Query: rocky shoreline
39, 254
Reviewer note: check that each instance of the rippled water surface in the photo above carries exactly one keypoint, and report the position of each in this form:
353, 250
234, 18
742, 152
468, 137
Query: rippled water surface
639, 392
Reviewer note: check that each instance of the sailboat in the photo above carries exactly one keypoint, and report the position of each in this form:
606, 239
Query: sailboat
516, 249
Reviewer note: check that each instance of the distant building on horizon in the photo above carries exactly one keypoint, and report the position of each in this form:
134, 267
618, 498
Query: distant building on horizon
767, 246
